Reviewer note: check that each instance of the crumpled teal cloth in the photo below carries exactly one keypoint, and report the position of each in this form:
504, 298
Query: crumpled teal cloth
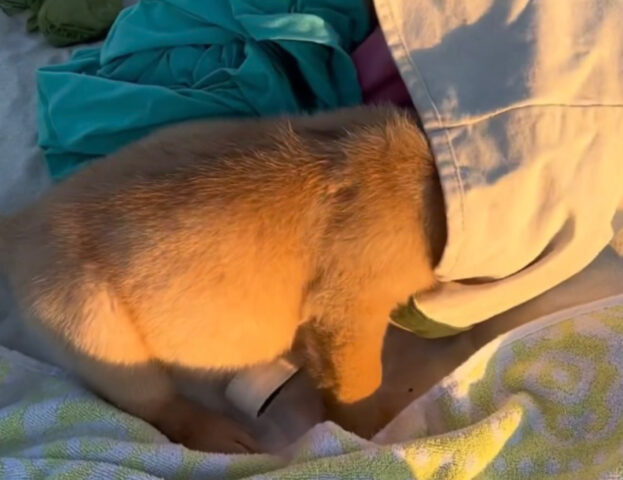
166, 61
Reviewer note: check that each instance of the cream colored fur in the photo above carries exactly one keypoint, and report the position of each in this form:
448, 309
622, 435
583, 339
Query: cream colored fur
217, 245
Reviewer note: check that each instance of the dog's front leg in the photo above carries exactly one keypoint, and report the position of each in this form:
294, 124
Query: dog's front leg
342, 352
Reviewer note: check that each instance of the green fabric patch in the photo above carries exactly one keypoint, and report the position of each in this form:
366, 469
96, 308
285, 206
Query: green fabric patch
67, 22
11, 7
544, 403
410, 318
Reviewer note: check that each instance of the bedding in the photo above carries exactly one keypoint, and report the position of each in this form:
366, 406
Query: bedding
544, 401
506, 413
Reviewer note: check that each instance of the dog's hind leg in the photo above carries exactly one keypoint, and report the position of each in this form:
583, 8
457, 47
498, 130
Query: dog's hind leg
96, 339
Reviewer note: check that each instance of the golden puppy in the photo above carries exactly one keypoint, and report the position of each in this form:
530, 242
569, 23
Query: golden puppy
219, 245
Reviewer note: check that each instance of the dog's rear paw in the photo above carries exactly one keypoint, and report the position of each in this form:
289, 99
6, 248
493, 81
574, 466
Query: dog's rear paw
197, 428
219, 435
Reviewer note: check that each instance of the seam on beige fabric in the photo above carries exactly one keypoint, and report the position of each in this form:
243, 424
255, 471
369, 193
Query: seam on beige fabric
473, 121
387, 13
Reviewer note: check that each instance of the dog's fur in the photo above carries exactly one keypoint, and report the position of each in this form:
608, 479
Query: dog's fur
218, 245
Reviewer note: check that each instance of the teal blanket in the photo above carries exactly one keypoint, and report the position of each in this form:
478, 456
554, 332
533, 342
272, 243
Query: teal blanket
166, 61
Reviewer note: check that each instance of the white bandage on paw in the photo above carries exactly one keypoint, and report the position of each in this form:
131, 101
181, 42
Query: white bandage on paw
252, 389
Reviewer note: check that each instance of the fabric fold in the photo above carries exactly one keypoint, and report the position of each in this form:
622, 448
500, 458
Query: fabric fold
522, 104
169, 61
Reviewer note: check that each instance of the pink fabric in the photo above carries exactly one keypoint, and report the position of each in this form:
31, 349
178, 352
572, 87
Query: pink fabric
378, 76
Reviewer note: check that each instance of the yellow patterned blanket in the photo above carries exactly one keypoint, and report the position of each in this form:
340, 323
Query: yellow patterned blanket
544, 401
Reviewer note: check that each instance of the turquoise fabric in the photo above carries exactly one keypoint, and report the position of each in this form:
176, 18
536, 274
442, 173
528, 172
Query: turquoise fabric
166, 61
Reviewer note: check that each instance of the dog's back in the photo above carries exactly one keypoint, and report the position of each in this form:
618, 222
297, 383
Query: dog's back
207, 245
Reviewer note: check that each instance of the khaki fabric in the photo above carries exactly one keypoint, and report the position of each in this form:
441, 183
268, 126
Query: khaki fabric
522, 103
